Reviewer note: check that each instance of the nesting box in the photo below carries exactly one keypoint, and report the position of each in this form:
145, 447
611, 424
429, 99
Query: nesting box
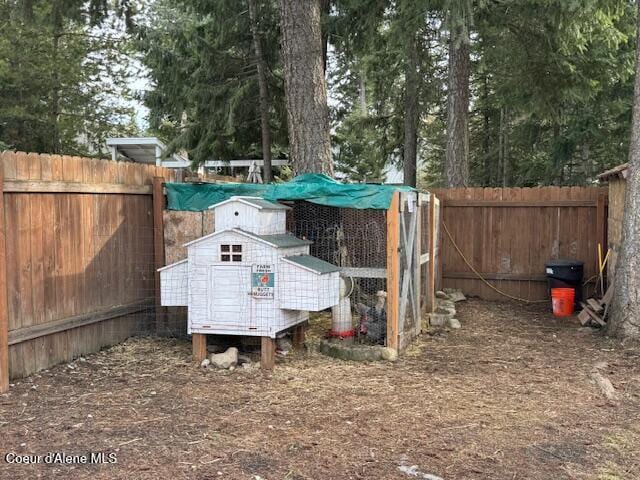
249, 277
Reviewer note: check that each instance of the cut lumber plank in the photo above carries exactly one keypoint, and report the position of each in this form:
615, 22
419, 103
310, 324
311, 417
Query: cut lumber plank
608, 296
594, 316
595, 305
584, 317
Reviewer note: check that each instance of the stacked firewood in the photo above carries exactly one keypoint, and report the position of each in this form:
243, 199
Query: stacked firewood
595, 310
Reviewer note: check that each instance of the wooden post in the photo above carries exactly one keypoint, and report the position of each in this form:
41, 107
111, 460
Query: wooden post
158, 242
298, 335
601, 219
4, 314
393, 270
268, 353
199, 344
417, 266
431, 289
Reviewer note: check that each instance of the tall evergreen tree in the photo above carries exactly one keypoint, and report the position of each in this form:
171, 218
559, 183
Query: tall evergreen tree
62, 80
206, 95
458, 13
625, 311
305, 86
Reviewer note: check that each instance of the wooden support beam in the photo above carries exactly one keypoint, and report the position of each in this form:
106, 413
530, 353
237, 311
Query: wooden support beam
158, 243
268, 353
199, 345
299, 332
393, 270
519, 203
41, 330
36, 186
4, 314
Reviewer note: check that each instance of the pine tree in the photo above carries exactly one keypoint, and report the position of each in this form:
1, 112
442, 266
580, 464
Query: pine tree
625, 310
305, 86
202, 62
61, 85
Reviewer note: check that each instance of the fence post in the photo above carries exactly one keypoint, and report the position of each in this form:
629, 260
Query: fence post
417, 265
393, 270
158, 241
431, 287
4, 314
601, 219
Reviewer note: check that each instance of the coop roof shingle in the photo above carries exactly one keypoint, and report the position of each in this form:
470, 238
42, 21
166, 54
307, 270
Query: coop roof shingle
283, 240
312, 263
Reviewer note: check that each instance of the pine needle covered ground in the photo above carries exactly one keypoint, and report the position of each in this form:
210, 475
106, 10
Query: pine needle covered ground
509, 396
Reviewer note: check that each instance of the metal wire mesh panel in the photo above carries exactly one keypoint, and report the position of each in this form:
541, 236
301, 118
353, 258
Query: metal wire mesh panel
345, 237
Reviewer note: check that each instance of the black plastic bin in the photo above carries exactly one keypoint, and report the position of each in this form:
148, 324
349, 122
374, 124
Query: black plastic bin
566, 274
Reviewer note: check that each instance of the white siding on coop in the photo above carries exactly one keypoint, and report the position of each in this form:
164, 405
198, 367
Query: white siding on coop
238, 214
302, 289
174, 284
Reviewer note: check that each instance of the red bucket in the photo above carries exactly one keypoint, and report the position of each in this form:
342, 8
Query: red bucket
562, 301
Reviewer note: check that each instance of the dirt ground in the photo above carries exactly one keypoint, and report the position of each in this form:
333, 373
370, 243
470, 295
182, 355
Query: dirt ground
508, 396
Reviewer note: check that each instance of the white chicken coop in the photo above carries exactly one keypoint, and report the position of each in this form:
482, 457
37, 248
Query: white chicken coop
249, 277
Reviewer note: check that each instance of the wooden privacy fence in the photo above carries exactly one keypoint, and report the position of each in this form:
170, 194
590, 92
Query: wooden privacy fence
508, 234
76, 256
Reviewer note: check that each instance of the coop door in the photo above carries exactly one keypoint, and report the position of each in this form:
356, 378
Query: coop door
229, 300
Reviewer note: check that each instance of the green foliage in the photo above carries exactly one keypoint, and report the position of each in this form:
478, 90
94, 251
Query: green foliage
370, 40
205, 98
62, 85
560, 74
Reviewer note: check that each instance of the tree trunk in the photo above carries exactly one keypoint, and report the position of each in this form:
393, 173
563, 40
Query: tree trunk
625, 309
261, 66
410, 111
457, 155
305, 87
54, 112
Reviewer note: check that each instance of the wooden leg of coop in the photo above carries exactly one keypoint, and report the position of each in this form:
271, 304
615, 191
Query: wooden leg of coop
199, 342
268, 353
298, 336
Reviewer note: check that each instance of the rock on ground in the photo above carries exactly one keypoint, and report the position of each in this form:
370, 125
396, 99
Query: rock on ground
454, 323
225, 360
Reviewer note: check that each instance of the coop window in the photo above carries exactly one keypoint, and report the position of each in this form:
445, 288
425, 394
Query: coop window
226, 250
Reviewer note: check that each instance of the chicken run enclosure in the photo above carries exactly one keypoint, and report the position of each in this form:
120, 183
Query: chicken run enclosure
389, 249
82, 241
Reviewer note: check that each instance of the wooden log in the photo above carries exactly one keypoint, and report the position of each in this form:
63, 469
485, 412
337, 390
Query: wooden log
4, 313
158, 243
268, 353
393, 270
199, 344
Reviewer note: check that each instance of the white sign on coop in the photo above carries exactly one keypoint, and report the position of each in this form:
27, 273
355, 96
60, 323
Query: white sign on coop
249, 277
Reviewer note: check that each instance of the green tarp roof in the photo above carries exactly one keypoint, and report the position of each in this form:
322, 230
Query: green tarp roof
312, 187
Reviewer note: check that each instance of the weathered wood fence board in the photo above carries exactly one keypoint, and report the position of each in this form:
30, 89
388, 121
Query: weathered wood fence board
78, 243
508, 234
